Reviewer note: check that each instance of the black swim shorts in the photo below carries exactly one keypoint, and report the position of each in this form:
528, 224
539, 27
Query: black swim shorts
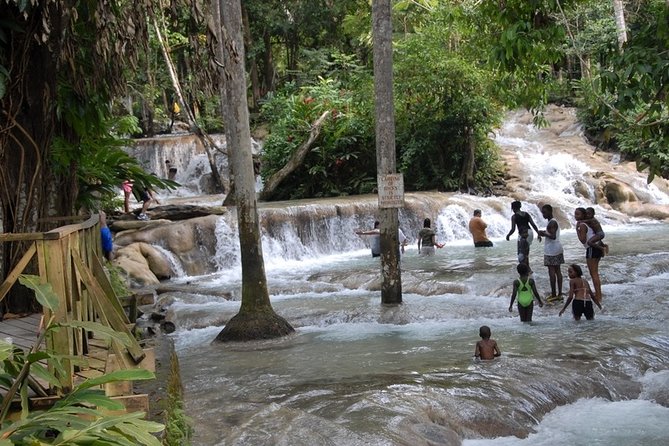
581, 307
593, 253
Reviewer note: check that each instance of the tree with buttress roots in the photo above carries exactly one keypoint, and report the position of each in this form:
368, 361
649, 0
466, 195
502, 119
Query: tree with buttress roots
256, 319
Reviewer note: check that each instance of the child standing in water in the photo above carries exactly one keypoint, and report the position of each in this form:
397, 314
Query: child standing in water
581, 294
526, 291
486, 348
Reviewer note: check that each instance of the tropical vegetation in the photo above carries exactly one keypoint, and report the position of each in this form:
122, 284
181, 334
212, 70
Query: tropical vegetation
79, 80
82, 416
458, 65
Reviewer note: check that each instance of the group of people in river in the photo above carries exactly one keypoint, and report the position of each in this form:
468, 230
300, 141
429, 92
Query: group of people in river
580, 296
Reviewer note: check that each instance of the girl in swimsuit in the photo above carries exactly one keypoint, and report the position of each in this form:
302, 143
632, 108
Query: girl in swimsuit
581, 294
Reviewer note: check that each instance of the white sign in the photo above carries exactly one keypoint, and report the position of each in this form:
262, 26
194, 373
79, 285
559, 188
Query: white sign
391, 190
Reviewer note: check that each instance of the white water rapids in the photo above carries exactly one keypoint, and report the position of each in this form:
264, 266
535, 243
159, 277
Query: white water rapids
358, 373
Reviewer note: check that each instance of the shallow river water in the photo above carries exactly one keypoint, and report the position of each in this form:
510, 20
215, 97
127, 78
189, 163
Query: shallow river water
359, 373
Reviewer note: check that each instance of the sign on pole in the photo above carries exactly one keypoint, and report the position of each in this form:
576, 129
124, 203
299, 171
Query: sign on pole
391, 191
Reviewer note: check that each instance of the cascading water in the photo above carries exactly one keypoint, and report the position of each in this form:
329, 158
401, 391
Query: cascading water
358, 373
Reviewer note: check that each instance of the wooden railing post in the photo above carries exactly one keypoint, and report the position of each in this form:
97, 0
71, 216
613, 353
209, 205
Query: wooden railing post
56, 258
69, 258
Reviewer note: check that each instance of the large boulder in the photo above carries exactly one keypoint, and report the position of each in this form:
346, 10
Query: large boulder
193, 242
144, 264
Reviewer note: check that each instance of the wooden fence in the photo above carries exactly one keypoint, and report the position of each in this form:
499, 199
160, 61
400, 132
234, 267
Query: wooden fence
69, 258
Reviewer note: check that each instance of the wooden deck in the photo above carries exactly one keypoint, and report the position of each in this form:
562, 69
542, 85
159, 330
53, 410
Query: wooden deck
69, 259
22, 331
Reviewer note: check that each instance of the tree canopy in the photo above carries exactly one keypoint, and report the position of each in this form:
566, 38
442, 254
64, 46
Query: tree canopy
458, 66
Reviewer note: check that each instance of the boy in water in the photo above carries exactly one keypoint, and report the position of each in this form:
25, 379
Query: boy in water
522, 220
596, 240
486, 348
526, 290
581, 294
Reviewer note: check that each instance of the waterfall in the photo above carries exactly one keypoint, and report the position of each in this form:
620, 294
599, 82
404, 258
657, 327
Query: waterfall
358, 373
553, 165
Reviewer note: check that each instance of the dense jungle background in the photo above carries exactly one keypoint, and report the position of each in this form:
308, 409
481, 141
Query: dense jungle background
78, 80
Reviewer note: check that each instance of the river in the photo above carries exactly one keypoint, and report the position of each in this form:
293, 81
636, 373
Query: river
359, 373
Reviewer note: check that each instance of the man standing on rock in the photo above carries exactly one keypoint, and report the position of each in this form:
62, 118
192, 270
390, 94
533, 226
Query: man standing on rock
477, 227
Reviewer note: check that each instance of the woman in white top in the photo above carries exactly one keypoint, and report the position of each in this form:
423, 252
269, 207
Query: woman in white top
553, 252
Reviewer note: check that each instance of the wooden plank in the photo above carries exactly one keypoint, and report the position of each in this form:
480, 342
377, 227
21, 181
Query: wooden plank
104, 307
64, 231
115, 363
22, 236
134, 403
89, 373
105, 283
59, 341
27, 323
16, 272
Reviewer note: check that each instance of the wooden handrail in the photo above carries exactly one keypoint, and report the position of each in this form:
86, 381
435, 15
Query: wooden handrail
69, 258
54, 234
69, 229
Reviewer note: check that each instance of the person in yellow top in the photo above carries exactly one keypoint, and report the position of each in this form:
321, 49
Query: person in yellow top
477, 227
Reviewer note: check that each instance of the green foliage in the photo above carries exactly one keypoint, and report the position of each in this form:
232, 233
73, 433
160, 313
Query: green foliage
627, 104
440, 99
117, 279
82, 416
341, 160
178, 427
98, 158
523, 41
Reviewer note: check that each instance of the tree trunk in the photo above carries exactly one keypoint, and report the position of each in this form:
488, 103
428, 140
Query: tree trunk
295, 160
391, 287
207, 142
27, 125
253, 64
256, 318
585, 67
467, 173
268, 63
621, 29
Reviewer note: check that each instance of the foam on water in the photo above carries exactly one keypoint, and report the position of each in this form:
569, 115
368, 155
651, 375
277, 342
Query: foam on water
363, 372
595, 422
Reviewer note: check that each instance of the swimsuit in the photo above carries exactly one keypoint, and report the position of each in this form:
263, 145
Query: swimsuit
591, 252
580, 307
525, 297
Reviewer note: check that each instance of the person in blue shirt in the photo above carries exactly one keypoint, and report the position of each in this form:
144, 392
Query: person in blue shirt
106, 237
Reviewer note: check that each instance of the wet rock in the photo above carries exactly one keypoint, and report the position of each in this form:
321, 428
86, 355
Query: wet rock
143, 264
192, 241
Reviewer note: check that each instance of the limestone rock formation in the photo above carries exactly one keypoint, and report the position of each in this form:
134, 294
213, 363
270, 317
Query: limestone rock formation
192, 242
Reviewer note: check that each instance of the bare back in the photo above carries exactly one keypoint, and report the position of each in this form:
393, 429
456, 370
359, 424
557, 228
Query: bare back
579, 288
487, 349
